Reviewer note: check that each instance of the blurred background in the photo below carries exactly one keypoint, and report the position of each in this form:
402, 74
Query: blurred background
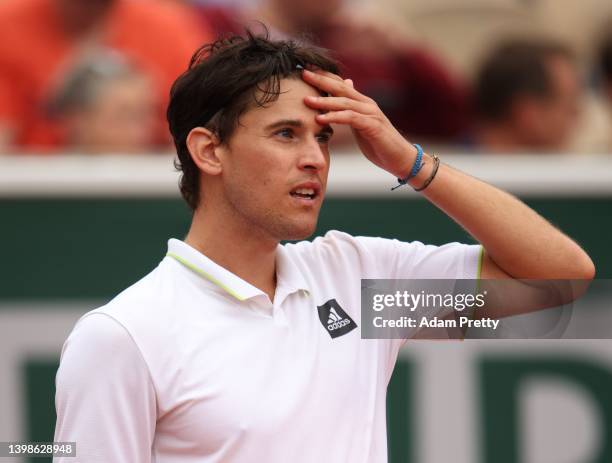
516, 92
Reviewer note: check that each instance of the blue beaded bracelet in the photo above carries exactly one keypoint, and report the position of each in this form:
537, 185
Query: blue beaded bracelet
416, 168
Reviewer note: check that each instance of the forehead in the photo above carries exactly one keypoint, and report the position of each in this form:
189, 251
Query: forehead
289, 105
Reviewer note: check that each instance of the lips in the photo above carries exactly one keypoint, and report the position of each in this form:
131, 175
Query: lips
308, 191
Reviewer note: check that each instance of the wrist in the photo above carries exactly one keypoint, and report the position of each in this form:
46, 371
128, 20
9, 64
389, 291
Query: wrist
423, 169
417, 166
424, 173
407, 163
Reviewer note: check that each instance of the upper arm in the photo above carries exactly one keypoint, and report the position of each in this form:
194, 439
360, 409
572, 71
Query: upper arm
490, 270
105, 399
521, 296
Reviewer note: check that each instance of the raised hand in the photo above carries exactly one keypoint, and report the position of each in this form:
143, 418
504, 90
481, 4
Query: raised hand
377, 138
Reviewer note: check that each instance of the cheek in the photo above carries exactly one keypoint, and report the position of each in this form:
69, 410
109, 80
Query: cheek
254, 177
264, 166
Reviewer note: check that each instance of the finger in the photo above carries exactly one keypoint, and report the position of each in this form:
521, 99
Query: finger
331, 75
348, 117
335, 103
331, 85
334, 76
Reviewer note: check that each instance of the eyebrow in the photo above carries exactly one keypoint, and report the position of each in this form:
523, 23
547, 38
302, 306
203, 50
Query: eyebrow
295, 123
283, 122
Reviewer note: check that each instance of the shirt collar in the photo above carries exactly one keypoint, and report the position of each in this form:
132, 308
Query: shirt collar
289, 278
197, 262
288, 274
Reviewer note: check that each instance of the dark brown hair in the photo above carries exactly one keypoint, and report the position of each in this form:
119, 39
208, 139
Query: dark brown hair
226, 78
605, 58
515, 68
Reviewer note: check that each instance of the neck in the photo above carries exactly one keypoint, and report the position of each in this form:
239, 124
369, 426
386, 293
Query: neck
236, 248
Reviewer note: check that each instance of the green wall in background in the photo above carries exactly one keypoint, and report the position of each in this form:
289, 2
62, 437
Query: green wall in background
93, 248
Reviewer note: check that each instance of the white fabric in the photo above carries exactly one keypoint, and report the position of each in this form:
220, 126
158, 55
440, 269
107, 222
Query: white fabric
176, 369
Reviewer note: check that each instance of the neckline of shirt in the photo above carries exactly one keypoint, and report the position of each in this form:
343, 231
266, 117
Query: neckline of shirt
289, 278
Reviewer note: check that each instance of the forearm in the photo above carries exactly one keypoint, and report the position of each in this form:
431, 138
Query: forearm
521, 242
518, 242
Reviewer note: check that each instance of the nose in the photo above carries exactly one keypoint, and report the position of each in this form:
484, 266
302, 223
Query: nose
313, 156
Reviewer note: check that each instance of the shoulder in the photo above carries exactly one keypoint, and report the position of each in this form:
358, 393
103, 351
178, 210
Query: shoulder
136, 307
98, 334
112, 334
98, 345
134, 328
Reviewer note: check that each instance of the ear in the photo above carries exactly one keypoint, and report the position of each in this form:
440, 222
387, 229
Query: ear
203, 145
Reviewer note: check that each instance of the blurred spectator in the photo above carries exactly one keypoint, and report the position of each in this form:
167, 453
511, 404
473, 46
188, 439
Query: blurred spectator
594, 134
106, 106
412, 87
42, 39
605, 64
527, 97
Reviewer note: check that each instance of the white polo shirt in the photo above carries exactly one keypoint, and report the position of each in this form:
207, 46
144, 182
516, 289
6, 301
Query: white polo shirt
193, 364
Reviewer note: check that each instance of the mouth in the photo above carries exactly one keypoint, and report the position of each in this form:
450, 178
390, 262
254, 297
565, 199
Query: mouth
307, 192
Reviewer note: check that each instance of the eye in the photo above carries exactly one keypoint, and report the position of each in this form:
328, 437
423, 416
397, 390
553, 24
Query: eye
324, 137
285, 133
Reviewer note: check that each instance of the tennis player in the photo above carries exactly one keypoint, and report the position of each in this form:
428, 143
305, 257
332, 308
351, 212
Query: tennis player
238, 349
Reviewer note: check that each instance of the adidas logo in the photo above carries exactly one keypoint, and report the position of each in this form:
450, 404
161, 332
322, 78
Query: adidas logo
336, 321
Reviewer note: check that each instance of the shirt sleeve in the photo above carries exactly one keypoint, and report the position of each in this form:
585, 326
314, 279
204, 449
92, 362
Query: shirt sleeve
105, 398
415, 260
393, 259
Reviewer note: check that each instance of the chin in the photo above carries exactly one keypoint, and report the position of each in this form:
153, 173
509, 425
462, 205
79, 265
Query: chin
299, 232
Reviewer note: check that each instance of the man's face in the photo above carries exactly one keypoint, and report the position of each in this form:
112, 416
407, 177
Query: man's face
553, 120
275, 166
121, 119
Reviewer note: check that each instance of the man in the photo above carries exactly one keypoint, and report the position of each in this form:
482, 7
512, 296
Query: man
603, 136
527, 97
106, 105
238, 349
605, 65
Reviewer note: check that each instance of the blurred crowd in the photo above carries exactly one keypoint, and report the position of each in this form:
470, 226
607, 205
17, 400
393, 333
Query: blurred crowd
93, 76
